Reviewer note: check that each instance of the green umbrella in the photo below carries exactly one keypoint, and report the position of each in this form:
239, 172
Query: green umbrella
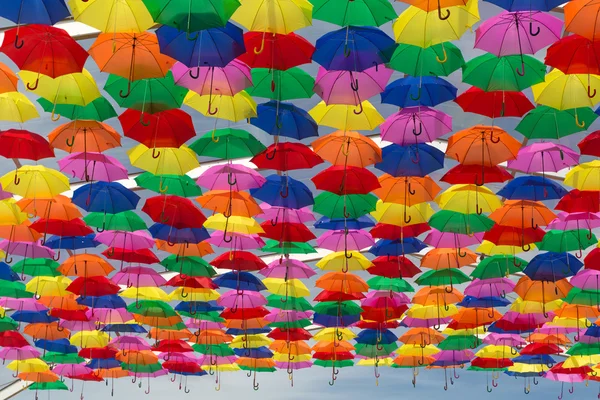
14, 290
273, 246
182, 186
56, 385
355, 12
8, 324
190, 266
140, 369
177, 327
98, 110
191, 16
584, 349
336, 363
338, 308
152, 308
479, 369
147, 95
498, 266
455, 222
460, 342
124, 221
211, 316
375, 350
227, 143
418, 61
36, 267
491, 73
583, 297
260, 369
390, 284
349, 206
289, 303
442, 277
545, 122
62, 358
290, 84
299, 324
571, 240
219, 350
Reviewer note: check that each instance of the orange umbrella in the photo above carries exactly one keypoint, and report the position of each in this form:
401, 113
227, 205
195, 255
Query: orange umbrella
251, 323
347, 148
581, 17
542, 291
114, 373
82, 136
86, 265
577, 311
255, 363
49, 331
169, 334
409, 190
228, 202
143, 357
554, 338
471, 318
444, 258
437, 296
422, 336
433, 5
482, 145
59, 207
413, 361
133, 56
44, 376
522, 213
342, 283
19, 233
8, 79
293, 348
157, 321
211, 337
325, 346
184, 249
68, 303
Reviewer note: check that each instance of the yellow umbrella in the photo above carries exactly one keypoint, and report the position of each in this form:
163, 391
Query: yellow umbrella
491, 249
338, 261
170, 160
10, 213
87, 339
233, 224
534, 307
77, 89
35, 181
285, 357
291, 287
580, 361
232, 108
28, 365
15, 107
399, 214
531, 368
249, 341
584, 176
496, 351
194, 294
424, 29
145, 293
344, 117
49, 286
464, 332
123, 16
331, 334
468, 199
564, 92
568, 322
431, 312
415, 350
379, 362
274, 16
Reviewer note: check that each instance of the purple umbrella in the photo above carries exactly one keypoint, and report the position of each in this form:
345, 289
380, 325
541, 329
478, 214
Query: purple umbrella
507, 339
411, 322
578, 220
294, 216
129, 342
93, 167
287, 267
544, 156
71, 370
136, 240
138, 277
19, 353
240, 241
245, 299
588, 279
530, 319
415, 125
230, 176
78, 325
109, 315
25, 249
493, 287
278, 315
348, 87
293, 365
178, 357
399, 297
439, 239
454, 356
203, 325
22, 304
229, 80
339, 240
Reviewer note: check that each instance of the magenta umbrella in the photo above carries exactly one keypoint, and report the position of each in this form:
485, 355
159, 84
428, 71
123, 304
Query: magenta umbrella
245, 299
348, 87
22, 304
109, 315
240, 241
71, 370
578, 220
587, 279
25, 249
555, 330
415, 125
230, 176
4, 195
440, 239
216, 360
178, 357
138, 277
507, 339
339, 240
203, 325
287, 268
278, 315
293, 365
425, 323
129, 342
383, 302
493, 287
78, 325
398, 297
283, 214
136, 240
530, 319
544, 156
227, 81
93, 167
19, 353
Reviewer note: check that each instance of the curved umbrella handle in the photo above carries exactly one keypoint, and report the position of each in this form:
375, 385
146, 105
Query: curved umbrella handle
445, 59
286, 193
407, 220
123, 94
418, 95
191, 38
354, 85
410, 190
360, 109
531, 31
489, 390
210, 111
590, 94
37, 82
70, 142
346, 152
18, 44
17, 180
229, 181
162, 189
578, 123
441, 16
272, 156
348, 255
55, 117
462, 255
521, 71
493, 139
420, 129
192, 75
346, 213
259, 50
155, 153
100, 230
57, 256
347, 50
144, 123
417, 158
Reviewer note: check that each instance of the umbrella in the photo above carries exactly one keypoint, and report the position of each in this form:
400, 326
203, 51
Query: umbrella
234, 176
415, 124
290, 84
276, 51
284, 119
14, 106
541, 157
348, 87
183, 186
163, 160
418, 61
84, 136
128, 16
228, 80
15, 143
494, 104
418, 91
564, 92
286, 157
191, 17
100, 167
579, 18
413, 160
33, 181
279, 17
170, 128
98, 110
544, 122
105, 197
362, 13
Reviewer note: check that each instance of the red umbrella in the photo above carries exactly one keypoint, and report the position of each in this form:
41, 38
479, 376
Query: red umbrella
286, 157
383, 314
94, 286
174, 211
276, 51
592, 260
540, 348
91, 377
464, 174
143, 256
574, 54
172, 346
336, 356
184, 367
340, 179
393, 267
393, 232
69, 315
16, 143
380, 326
292, 335
198, 282
170, 128
287, 232
98, 352
238, 261
58, 227
590, 145
244, 313
488, 363
12, 339
327, 295
494, 104
43, 49
579, 201
502, 235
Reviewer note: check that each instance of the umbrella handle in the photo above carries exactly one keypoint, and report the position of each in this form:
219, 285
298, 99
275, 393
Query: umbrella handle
418, 95
441, 16
531, 31
526, 389
70, 142
155, 154
354, 85
144, 123
55, 117
420, 130
17, 180
123, 94
260, 49
270, 157
410, 190
591, 94
229, 181
37, 82
191, 38
346, 213
197, 75
346, 152
348, 255
494, 383
442, 60
533, 224
417, 158
407, 220
18, 44
526, 247
489, 390
493, 139
462, 255
286, 193
110, 252
212, 112
521, 71
360, 109
347, 50
578, 123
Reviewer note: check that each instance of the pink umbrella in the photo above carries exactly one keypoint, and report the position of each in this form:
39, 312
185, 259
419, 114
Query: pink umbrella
212, 360
439, 239
454, 356
136, 240
544, 156
578, 220
425, 323
227, 81
203, 325
230, 176
415, 125
588, 279
138, 277
530, 319
555, 330
25, 249
508, 339
494, 287
129, 342
293, 365
245, 299
71, 370
78, 325
383, 302
240, 241
347, 87
338, 240
178, 357
277, 315
109, 315
93, 167
19, 353
287, 267
22, 304
399, 297
283, 214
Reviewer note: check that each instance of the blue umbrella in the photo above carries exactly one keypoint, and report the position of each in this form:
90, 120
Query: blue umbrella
373, 337
413, 160
527, 5
106, 197
240, 280
215, 47
332, 321
72, 242
46, 12
258, 352
252, 331
494, 329
7, 274
362, 222
418, 91
33, 317
534, 359
386, 247
129, 328
283, 191
109, 301
485, 302
552, 266
284, 119
593, 331
535, 188
354, 49
193, 307
59, 346
173, 235
105, 363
